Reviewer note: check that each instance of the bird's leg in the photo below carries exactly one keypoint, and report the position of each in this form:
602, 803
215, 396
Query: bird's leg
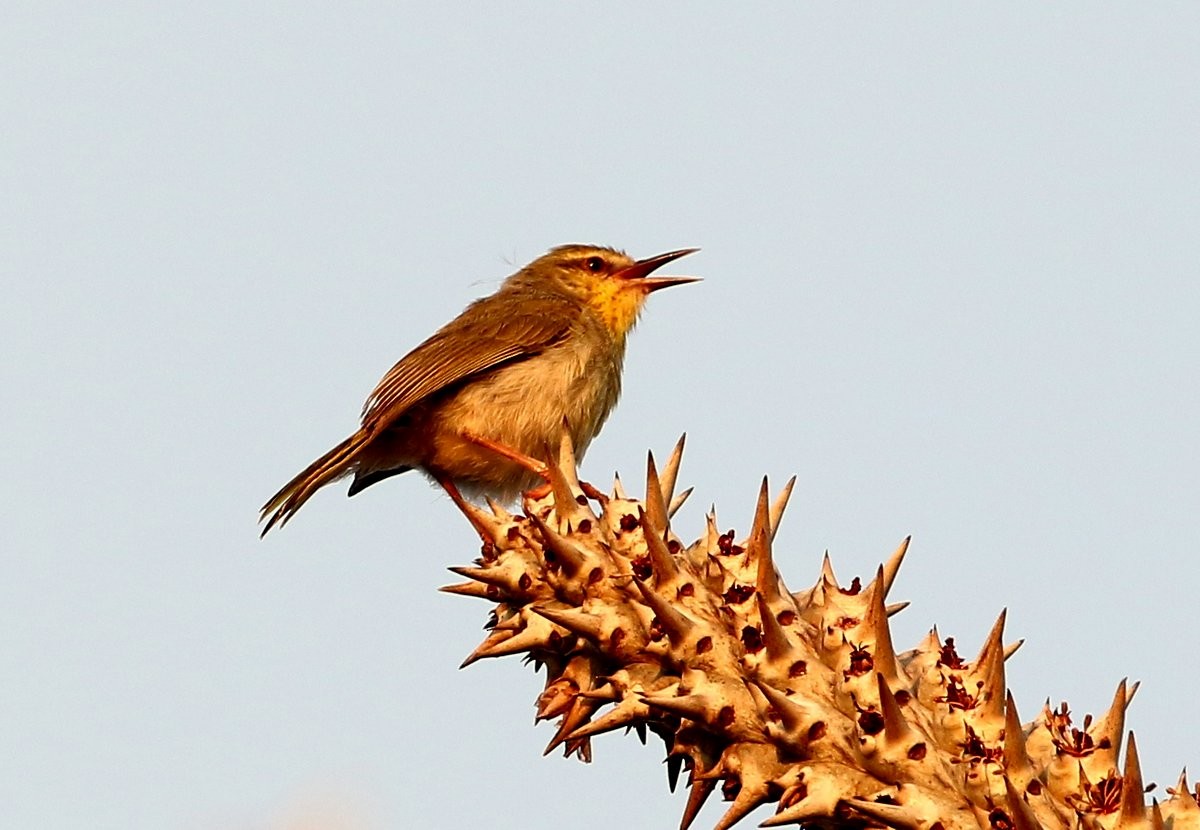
530, 463
527, 461
474, 515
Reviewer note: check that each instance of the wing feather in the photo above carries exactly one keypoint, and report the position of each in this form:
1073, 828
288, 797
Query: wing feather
481, 338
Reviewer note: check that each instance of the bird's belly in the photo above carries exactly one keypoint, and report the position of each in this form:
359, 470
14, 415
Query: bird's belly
521, 406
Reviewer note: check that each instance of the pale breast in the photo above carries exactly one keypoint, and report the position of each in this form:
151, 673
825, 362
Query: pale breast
522, 405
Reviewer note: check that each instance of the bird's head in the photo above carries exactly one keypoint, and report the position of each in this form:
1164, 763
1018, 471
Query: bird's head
609, 282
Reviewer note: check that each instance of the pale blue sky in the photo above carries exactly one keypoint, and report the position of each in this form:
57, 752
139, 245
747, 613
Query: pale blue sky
950, 260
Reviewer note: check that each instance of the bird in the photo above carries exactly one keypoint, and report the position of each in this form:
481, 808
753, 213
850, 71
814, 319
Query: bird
474, 404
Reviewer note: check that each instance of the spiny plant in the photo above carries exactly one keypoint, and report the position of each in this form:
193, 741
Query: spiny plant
773, 696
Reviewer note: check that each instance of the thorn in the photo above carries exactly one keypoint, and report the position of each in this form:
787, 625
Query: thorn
896, 607
484, 649
795, 717
574, 620
989, 668
762, 511
931, 643
574, 719
1112, 725
675, 623
1133, 801
712, 531
665, 569
567, 464
619, 489
692, 707
1020, 812
570, 556
1156, 817
656, 507
701, 789
992, 643
512, 623
555, 699
502, 644
628, 712
797, 814
821, 799
779, 648
747, 799
605, 693
678, 502
780, 504
674, 765
467, 589
502, 578
1016, 759
582, 749
895, 726
670, 472
875, 621
759, 549
1183, 792
565, 491
893, 565
827, 575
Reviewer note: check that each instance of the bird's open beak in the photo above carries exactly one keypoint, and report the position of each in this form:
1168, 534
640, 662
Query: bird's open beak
640, 269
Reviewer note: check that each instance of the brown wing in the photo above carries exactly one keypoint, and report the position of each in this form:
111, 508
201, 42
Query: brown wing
483, 337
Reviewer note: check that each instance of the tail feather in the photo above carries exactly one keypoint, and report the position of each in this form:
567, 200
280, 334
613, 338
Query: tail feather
363, 480
328, 468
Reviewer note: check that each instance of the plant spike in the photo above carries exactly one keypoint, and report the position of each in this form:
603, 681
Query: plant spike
797, 699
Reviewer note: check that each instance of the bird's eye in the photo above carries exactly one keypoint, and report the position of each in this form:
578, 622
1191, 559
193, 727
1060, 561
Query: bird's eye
594, 264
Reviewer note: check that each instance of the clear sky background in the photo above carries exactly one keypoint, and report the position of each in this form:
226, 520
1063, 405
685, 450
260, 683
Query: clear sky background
950, 259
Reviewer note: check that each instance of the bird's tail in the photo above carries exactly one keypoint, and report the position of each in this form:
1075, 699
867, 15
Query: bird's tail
329, 467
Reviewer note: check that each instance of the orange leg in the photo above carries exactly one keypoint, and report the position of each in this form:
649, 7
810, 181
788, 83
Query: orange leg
473, 513
527, 461
530, 463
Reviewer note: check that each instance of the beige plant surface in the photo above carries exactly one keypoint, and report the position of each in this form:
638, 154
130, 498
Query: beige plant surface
772, 696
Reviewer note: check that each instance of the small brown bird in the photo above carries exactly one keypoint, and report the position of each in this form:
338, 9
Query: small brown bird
498, 381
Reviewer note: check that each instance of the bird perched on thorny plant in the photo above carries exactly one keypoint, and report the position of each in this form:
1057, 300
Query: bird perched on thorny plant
473, 404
